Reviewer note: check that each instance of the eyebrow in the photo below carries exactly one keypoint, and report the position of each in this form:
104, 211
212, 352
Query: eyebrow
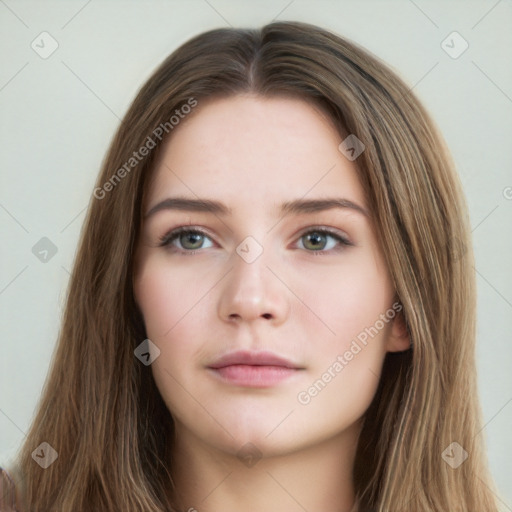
297, 206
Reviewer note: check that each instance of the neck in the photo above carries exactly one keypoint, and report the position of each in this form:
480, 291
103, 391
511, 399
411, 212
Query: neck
317, 477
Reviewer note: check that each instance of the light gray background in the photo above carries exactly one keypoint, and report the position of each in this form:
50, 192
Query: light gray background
59, 114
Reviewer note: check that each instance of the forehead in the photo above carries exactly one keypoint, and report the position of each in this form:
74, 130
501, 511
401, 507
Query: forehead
252, 150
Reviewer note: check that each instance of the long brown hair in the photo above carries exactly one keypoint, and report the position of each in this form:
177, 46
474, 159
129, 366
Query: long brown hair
100, 408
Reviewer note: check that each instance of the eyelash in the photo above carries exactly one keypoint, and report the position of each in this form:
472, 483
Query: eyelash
168, 238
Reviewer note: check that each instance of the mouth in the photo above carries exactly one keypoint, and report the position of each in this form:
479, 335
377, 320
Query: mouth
253, 369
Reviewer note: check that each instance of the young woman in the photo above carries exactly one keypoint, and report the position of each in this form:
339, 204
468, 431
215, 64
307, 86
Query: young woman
272, 306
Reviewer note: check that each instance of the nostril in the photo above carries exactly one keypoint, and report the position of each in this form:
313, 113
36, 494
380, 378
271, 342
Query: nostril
267, 315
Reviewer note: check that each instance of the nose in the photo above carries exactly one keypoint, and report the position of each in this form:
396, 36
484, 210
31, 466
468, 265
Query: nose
252, 291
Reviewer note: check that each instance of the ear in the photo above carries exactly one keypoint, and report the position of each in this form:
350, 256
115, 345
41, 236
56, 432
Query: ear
398, 339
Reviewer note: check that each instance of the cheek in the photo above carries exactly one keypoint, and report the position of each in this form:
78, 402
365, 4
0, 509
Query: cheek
167, 298
172, 311
346, 368
174, 306
348, 299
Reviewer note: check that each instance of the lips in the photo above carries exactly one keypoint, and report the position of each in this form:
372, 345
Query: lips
253, 369
253, 359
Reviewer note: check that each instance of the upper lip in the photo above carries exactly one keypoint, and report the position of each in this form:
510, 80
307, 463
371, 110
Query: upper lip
252, 358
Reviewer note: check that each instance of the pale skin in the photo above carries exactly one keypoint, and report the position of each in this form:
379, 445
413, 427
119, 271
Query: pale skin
253, 154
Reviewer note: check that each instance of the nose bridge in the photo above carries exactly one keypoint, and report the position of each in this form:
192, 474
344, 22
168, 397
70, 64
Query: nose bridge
250, 272
251, 290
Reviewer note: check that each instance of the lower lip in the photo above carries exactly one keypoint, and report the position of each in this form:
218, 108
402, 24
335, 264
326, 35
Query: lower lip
254, 376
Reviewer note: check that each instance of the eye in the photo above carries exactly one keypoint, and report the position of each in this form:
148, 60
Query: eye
189, 239
316, 240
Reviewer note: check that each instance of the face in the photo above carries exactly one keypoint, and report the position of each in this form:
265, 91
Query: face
272, 322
